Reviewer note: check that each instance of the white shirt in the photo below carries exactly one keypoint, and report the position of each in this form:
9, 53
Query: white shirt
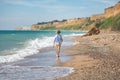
58, 39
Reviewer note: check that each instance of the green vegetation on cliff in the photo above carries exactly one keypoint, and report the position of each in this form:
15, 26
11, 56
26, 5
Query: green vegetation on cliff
112, 22
116, 23
48, 28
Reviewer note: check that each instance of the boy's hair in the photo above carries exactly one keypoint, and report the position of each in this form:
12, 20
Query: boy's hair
58, 31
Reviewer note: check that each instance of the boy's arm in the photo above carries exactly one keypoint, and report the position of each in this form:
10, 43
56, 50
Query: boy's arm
61, 39
54, 43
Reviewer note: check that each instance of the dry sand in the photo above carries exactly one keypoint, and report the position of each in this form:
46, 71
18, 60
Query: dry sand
95, 57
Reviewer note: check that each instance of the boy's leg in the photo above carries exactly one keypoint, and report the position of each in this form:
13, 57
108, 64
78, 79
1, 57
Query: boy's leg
58, 50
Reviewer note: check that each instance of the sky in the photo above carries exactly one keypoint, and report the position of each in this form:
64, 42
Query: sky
20, 13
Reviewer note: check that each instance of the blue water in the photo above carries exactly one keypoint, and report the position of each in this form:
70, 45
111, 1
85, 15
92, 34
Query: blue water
13, 39
15, 45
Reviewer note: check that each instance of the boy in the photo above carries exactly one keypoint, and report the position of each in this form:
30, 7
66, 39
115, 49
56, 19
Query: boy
58, 42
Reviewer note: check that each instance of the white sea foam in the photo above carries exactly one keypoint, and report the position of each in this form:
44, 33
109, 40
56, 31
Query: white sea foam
30, 47
74, 35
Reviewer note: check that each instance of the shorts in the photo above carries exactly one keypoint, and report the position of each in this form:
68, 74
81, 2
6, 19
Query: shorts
58, 46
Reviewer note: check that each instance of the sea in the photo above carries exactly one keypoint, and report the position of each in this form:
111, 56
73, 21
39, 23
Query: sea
30, 55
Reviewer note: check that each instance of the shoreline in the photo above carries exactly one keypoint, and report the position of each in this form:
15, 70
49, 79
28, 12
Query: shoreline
95, 57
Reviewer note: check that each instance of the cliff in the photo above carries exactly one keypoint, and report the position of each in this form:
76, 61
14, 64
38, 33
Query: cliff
108, 12
112, 11
97, 16
78, 23
59, 24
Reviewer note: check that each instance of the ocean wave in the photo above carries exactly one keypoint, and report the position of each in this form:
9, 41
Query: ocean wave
74, 34
30, 47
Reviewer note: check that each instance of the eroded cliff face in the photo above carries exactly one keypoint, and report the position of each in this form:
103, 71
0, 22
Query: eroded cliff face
112, 11
98, 16
109, 12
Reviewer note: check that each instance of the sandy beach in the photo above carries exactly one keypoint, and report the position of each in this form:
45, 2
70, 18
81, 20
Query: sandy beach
95, 57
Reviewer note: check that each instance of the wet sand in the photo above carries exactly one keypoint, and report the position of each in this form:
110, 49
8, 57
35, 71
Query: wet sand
95, 57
